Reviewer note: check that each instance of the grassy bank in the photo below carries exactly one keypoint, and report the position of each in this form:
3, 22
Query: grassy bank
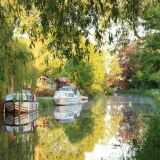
151, 93
46, 106
45, 103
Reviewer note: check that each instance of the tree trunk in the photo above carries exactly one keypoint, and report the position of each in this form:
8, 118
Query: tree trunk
11, 84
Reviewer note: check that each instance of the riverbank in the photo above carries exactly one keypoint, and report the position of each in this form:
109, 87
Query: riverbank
148, 147
154, 93
45, 102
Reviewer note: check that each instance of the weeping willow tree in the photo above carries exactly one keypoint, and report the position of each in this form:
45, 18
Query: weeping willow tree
17, 70
16, 67
63, 22
21, 72
6, 32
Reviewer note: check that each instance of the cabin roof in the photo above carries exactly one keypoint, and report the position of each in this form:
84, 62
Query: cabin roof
67, 88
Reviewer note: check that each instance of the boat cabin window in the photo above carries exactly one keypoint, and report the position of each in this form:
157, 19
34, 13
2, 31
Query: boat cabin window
11, 97
70, 95
24, 97
18, 96
69, 88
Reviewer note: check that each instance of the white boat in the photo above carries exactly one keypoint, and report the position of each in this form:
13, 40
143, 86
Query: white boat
67, 95
67, 113
21, 102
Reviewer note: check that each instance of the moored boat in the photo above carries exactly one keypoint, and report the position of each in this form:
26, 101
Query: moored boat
67, 95
21, 102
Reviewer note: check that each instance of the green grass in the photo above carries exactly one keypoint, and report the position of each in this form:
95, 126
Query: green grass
45, 103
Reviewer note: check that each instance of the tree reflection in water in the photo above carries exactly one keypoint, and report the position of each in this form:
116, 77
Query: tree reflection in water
16, 136
124, 126
97, 130
65, 141
16, 146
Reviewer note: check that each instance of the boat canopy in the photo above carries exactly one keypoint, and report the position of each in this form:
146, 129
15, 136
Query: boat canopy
19, 96
68, 88
10, 97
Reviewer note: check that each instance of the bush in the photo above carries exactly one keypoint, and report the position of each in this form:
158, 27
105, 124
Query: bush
96, 88
44, 92
108, 90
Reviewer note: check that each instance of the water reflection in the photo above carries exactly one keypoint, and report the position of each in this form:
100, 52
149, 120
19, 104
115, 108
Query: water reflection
63, 141
128, 126
101, 129
124, 124
20, 122
67, 113
16, 145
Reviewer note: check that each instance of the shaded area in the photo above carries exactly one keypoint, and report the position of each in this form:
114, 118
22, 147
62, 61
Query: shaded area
148, 148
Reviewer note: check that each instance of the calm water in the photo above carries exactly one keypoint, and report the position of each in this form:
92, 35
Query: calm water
102, 129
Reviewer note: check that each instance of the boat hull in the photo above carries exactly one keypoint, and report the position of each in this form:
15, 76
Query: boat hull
22, 107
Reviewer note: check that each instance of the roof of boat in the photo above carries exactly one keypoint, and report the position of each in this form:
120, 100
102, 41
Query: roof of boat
12, 96
67, 88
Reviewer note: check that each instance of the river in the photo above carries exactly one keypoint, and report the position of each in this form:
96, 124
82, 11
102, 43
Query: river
103, 129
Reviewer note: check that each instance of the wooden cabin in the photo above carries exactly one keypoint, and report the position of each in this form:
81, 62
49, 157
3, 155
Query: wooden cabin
44, 82
62, 81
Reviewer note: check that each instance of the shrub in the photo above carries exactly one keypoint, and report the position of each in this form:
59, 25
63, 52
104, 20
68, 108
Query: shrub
108, 90
96, 88
44, 92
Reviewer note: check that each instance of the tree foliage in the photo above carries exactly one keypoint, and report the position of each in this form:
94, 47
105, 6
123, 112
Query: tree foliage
16, 69
80, 73
63, 22
140, 62
146, 62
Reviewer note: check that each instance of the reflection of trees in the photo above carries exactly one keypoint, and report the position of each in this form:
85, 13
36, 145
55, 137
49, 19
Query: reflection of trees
19, 144
148, 147
16, 146
83, 127
70, 141
113, 118
128, 125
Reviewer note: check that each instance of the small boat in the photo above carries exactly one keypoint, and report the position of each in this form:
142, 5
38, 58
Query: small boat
67, 113
21, 122
21, 102
67, 95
